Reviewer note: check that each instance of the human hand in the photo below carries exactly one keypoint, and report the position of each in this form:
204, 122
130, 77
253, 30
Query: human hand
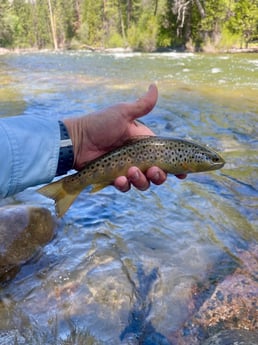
98, 133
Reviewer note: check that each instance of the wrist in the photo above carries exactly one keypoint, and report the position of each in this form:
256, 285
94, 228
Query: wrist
66, 152
74, 128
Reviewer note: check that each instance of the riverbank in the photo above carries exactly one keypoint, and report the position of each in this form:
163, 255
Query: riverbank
4, 51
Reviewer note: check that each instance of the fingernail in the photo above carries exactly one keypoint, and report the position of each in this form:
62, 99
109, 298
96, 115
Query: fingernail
152, 85
156, 177
135, 176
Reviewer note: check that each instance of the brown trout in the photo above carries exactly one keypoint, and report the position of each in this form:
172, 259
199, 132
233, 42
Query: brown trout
175, 156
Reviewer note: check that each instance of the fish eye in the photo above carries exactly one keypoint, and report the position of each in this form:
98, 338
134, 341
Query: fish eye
215, 159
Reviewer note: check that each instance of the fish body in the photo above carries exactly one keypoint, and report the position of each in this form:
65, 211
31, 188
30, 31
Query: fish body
175, 156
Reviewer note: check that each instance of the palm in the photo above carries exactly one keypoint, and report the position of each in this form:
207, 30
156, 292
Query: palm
98, 133
111, 127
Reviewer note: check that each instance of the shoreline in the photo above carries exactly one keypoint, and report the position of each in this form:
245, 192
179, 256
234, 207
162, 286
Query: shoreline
5, 51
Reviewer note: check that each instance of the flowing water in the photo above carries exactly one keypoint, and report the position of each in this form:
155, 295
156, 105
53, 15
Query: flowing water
122, 268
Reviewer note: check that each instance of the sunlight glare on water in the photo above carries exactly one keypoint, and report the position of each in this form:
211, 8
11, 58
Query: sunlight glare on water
124, 266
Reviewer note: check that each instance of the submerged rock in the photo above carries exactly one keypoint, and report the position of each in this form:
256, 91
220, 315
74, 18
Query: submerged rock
233, 337
23, 230
232, 305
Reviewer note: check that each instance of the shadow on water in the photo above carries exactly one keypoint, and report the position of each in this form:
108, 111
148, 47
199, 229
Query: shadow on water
140, 330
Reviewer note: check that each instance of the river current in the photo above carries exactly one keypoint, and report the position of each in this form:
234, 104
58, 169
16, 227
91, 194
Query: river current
123, 268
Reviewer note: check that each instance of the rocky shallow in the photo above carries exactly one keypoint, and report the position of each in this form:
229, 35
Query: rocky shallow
222, 310
23, 230
229, 305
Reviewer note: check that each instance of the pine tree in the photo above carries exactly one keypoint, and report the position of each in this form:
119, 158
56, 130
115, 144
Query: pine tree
6, 29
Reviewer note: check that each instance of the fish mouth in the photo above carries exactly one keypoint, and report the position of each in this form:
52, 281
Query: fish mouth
218, 165
217, 162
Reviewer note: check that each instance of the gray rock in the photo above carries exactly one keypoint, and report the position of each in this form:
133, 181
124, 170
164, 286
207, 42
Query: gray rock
23, 230
233, 337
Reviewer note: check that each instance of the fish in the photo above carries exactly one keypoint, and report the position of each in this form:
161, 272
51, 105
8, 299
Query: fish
173, 155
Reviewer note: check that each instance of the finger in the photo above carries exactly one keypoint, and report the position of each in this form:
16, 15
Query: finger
181, 176
122, 184
136, 129
156, 175
137, 178
143, 105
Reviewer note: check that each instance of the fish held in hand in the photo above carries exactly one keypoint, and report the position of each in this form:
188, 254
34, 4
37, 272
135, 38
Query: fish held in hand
175, 156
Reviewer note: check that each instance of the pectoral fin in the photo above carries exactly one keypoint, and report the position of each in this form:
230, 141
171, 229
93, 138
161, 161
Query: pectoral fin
98, 186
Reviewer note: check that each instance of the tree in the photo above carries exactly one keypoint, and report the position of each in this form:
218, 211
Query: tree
53, 24
41, 24
21, 14
66, 21
244, 20
143, 36
212, 24
91, 30
6, 30
182, 18
141, 24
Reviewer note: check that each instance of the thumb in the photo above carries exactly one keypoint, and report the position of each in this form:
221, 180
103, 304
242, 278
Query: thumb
143, 105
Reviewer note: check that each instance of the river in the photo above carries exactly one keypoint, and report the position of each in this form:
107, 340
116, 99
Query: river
123, 267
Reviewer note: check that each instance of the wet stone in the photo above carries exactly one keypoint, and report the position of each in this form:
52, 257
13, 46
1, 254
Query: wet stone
233, 337
230, 309
23, 230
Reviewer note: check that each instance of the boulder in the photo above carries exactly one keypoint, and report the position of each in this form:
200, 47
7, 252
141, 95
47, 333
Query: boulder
229, 306
23, 230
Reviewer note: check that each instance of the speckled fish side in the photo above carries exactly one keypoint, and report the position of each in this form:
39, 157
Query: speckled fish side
175, 156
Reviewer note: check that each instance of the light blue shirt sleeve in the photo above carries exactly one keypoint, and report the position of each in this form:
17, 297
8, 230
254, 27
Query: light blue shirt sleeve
29, 152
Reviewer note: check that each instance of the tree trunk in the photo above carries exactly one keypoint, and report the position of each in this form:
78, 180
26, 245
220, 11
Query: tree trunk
53, 25
200, 8
129, 12
78, 14
156, 7
122, 23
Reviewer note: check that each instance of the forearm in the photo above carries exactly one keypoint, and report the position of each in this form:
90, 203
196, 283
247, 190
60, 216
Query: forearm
29, 151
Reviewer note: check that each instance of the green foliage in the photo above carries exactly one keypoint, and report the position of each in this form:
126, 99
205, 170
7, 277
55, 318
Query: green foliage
167, 26
143, 36
140, 24
92, 22
65, 26
21, 24
41, 24
228, 39
215, 15
244, 20
116, 41
6, 27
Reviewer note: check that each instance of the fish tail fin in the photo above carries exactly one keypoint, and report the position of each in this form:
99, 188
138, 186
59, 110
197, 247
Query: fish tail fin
63, 200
